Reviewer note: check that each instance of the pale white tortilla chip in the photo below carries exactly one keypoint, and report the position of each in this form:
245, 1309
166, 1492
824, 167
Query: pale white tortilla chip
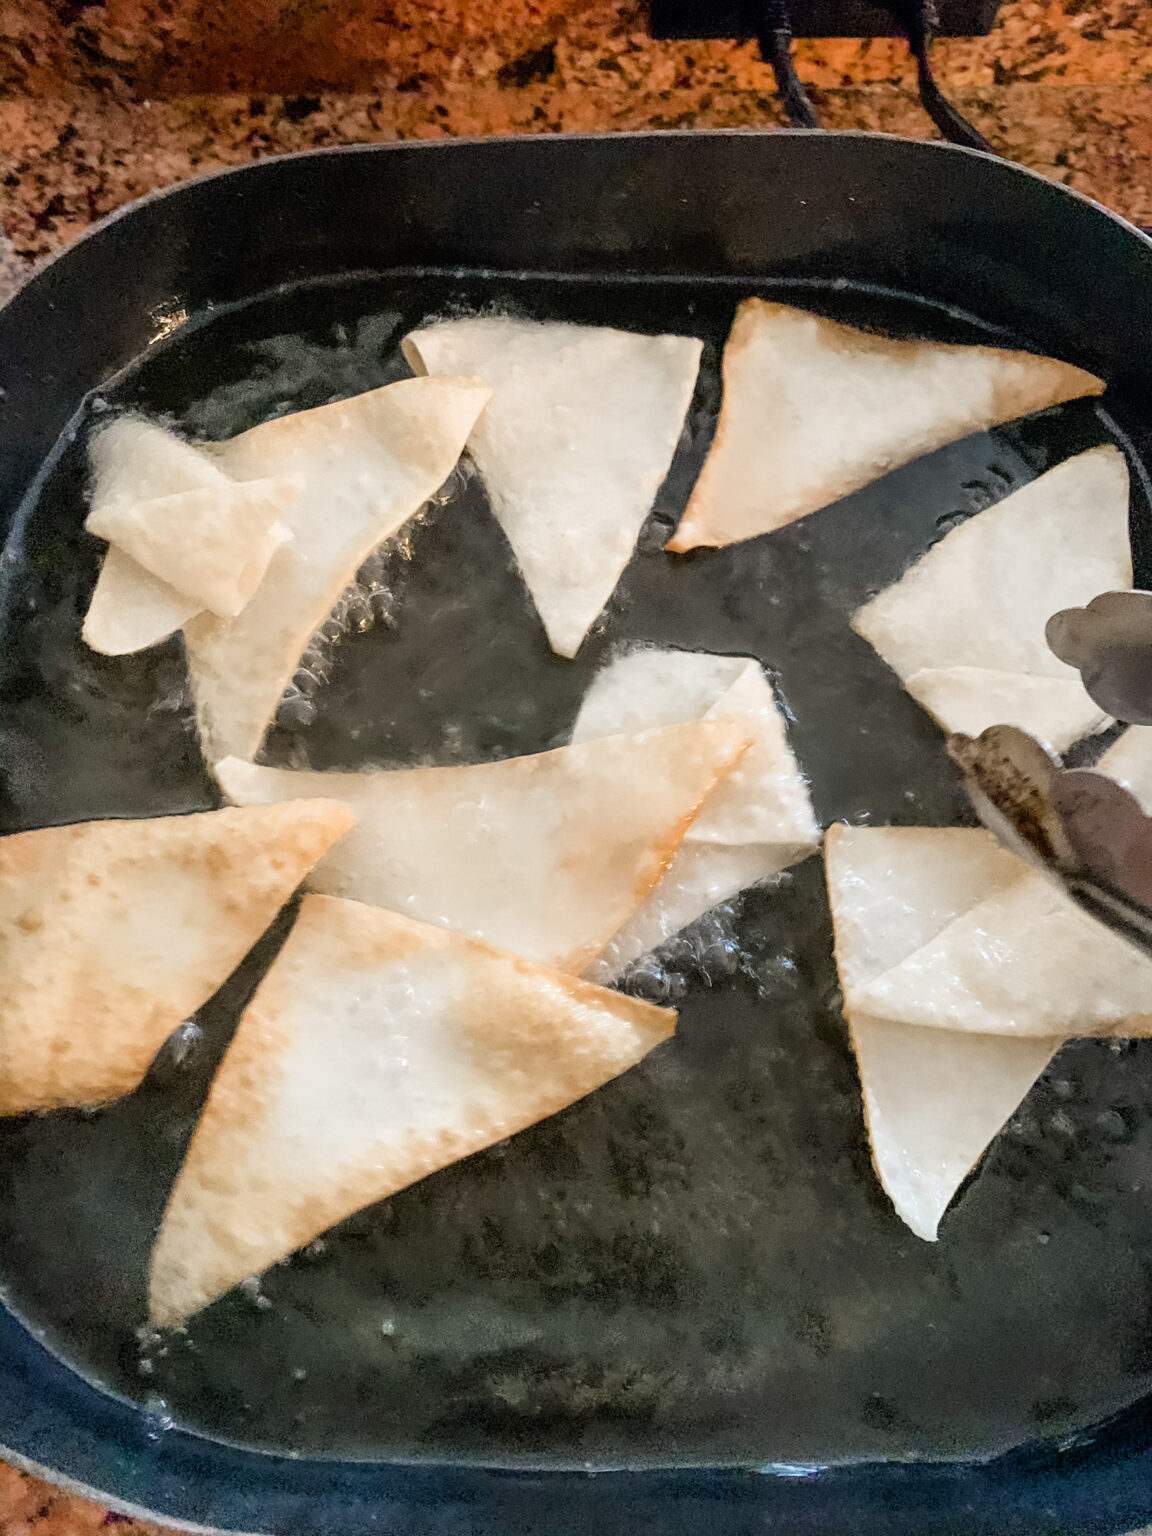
813, 409
211, 546
699, 877
893, 889
113, 932
134, 461
764, 798
137, 460
546, 856
1058, 710
1129, 760
982, 596
130, 609
757, 820
367, 465
578, 437
376, 1051
1024, 961
934, 1101
933, 1098
980, 599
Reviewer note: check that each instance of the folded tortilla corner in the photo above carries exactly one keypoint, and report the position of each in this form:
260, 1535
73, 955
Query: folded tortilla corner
934, 1099
757, 820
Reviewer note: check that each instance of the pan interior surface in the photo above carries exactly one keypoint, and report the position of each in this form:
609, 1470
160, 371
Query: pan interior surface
695, 1265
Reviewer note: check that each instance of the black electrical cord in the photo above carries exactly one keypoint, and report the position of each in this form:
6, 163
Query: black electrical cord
774, 35
773, 28
919, 20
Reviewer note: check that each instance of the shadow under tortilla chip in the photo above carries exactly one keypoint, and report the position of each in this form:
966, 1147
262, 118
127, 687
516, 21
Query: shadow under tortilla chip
376, 1051
814, 409
546, 856
114, 932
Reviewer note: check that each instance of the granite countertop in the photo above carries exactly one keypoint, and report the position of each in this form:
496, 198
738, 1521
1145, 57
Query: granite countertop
101, 102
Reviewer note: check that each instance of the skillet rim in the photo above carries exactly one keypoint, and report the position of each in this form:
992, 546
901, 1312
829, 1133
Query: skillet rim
473, 141
78, 1437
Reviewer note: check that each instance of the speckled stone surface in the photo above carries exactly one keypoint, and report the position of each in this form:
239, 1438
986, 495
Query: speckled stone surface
102, 102
32, 1508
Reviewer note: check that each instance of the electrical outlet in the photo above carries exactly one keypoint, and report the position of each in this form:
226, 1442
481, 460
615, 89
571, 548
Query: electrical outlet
813, 18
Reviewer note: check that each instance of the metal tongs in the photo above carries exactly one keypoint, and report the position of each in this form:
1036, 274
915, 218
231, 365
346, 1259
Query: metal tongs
1080, 827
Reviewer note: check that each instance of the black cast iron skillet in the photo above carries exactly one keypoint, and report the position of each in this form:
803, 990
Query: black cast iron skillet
683, 1305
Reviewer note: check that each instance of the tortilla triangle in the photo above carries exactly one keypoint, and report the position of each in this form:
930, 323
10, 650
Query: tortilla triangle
756, 822
130, 609
1024, 961
813, 409
137, 460
1056, 709
546, 856
132, 461
933, 1099
979, 600
376, 1051
211, 546
579, 435
113, 932
367, 465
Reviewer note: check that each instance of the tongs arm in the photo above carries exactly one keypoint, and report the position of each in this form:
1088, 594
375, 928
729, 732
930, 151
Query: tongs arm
1081, 827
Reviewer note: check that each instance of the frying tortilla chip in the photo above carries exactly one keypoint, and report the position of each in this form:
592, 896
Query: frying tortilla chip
1058, 710
211, 546
376, 1051
367, 465
813, 409
969, 616
546, 856
136, 461
130, 609
757, 820
1024, 961
579, 435
934, 1099
182, 536
113, 932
